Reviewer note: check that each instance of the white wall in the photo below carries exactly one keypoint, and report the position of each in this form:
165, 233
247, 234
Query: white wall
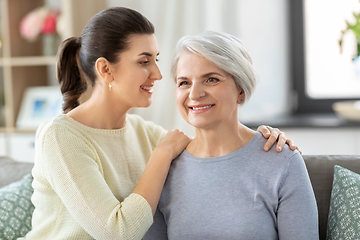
263, 29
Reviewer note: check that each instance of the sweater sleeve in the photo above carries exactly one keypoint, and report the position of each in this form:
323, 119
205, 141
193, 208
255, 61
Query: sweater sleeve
74, 171
297, 215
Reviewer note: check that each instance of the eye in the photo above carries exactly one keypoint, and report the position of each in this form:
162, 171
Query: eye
144, 62
182, 83
212, 80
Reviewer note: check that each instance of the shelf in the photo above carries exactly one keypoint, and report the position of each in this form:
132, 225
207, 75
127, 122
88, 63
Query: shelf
11, 130
317, 121
28, 61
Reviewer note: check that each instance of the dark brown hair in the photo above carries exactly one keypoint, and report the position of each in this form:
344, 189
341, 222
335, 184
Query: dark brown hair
106, 35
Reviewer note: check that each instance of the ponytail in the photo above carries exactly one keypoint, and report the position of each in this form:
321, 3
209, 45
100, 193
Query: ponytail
72, 85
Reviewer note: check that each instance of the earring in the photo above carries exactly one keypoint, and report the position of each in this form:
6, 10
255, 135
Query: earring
241, 101
110, 86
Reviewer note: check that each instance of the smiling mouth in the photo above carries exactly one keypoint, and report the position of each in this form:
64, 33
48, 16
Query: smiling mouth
203, 107
146, 88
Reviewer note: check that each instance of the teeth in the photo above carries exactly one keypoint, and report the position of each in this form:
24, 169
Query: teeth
198, 108
146, 88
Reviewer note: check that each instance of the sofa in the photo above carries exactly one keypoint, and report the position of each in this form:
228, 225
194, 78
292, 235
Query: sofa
320, 168
321, 172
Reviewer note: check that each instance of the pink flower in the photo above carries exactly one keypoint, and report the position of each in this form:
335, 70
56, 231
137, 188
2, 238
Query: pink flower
40, 20
49, 25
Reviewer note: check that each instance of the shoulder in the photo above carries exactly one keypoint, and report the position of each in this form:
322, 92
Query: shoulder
139, 124
135, 119
272, 159
257, 144
59, 127
49, 125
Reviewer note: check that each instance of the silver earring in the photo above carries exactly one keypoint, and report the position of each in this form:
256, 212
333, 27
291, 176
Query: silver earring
241, 101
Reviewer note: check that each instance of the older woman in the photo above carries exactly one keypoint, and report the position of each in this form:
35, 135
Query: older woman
224, 185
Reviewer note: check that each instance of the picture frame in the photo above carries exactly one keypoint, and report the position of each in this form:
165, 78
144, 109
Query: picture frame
38, 105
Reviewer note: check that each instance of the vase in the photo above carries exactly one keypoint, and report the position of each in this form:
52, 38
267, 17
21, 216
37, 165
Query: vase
50, 44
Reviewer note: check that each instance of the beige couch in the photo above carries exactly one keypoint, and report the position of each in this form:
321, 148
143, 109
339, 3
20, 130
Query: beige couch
320, 168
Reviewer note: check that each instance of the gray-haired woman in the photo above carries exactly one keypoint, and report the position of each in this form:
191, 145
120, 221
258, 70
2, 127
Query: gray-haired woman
224, 185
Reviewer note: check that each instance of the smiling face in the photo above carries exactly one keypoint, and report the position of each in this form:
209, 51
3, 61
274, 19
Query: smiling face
206, 96
134, 75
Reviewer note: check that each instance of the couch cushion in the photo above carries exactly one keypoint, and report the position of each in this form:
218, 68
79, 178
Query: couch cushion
344, 212
11, 171
321, 172
16, 208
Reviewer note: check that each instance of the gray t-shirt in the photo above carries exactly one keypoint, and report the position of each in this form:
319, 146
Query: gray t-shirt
247, 194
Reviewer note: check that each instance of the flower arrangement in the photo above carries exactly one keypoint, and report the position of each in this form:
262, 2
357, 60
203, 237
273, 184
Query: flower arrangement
42, 20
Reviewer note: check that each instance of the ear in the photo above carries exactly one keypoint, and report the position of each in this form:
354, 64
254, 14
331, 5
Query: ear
103, 68
241, 97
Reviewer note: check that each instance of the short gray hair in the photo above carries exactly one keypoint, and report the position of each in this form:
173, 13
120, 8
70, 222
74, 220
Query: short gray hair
226, 52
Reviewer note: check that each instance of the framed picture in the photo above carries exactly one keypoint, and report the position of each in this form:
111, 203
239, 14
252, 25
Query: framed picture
39, 104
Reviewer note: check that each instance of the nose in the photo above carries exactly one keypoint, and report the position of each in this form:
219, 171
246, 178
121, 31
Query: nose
156, 73
197, 91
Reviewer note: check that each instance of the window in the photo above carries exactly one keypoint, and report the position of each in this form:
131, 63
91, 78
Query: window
321, 74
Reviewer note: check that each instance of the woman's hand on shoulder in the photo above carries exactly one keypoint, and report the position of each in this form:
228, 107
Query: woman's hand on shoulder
174, 142
275, 135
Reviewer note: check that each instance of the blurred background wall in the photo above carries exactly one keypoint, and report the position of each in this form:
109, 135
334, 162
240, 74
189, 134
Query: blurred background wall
260, 24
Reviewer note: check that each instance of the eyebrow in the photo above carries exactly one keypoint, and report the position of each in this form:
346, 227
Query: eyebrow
181, 78
147, 54
211, 73
203, 76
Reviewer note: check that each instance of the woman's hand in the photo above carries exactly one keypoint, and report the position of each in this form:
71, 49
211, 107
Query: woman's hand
273, 135
174, 142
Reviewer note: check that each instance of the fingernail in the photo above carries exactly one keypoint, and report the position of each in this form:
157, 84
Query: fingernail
279, 148
266, 148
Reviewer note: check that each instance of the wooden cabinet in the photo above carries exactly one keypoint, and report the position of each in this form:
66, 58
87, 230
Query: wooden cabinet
23, 63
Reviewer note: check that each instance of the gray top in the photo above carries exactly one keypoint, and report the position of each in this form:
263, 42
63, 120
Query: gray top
247, 194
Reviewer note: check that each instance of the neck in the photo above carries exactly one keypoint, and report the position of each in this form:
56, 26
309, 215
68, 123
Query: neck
99, 111
219, 141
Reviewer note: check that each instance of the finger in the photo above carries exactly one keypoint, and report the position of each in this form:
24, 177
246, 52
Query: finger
291, 144
299, 150
264, 130
281, 142
271, 141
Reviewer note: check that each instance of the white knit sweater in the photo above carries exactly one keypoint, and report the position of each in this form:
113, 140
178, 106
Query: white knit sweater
84, 178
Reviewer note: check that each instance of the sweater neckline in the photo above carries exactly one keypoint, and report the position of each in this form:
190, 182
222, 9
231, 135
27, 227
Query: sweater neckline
228, 156
96, 130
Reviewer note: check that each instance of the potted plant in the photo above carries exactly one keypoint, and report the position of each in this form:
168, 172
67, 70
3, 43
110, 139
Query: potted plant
355, 28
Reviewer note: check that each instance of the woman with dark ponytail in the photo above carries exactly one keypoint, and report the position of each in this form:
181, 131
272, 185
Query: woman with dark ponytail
99, 171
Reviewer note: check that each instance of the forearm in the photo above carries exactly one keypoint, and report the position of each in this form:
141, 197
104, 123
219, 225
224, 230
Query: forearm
152, 181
